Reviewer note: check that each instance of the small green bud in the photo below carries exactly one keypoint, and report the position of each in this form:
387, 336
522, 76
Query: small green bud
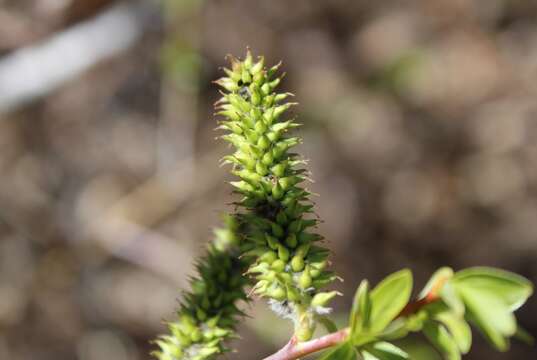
265, 88
277, 293
256, 98
258, 66
281, 218
277, 230
305, 237
297, 263
248, 61
283, 253
261, 168
322, 298
268, 257
272, 241
302, 250
277, 192
295, 226
278, 265
263, 143
267, 158
304, 333
292, 294
305, 279
246, 77
315, 273
291, 241
260, 127
287, 182
259, 78
278, 170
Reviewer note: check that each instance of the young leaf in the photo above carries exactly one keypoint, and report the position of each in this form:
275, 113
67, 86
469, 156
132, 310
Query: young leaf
388, 298
452, 299
383, 351
456, 325
345, 351
439, 278
490, 315
511, 288
361, 307
442, 340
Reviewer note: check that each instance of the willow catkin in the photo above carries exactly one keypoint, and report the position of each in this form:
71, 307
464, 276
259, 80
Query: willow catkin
288, 263
208, 312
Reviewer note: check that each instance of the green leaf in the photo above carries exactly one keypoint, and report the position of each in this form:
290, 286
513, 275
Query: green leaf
456, 325
442, 340
345, 351
439, 277
511, 288
397, 329
490, 314
452, 299
361, 308
388, 299
383, 351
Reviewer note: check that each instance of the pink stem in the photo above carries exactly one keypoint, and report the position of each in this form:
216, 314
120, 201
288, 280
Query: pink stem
294, 350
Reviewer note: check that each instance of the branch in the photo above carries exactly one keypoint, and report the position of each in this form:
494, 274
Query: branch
294, 350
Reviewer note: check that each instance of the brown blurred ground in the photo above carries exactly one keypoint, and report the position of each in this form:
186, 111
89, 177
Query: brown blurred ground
419, 117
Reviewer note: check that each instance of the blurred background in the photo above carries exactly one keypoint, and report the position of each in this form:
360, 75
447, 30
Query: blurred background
419, 117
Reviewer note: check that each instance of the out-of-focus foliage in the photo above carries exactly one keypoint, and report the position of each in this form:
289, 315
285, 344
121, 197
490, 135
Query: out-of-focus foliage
419, 118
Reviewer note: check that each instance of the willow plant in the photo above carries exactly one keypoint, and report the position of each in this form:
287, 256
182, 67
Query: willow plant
270, 244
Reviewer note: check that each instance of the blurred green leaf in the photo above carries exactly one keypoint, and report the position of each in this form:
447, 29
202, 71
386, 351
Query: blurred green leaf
383, 351
397, 329
490, 314
442, 340
511, 288
452, 299
345, 351
361, 308
455, 324
388, 298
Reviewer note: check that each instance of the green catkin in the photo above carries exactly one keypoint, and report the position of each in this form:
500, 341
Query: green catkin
208, 313
288, 262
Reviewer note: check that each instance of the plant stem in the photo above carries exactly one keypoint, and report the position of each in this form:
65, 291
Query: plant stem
294, 350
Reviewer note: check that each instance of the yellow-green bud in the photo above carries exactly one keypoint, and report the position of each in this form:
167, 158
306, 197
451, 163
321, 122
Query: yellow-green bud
267, 159
291, 241
263, 143
261, 168
278, 170
305, 279
278, 265
322, 298
268, 257
272, 241
277, 293
297, 263
283, 253
277, 230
